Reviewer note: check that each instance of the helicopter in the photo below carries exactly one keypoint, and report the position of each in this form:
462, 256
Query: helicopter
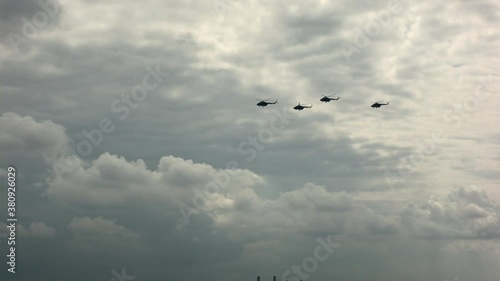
301, 107
328, 98
379, 104
263, 103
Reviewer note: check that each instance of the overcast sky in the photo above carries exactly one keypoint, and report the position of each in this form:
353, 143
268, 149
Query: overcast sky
141, 153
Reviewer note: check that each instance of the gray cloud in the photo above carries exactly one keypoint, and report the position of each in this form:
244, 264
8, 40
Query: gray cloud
464, 214
322, 174
36, 229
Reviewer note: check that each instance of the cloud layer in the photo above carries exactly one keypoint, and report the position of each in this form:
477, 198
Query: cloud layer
140, 150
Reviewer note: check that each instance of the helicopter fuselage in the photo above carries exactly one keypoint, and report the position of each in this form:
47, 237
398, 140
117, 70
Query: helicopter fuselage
301, 107
327, 99
264, 103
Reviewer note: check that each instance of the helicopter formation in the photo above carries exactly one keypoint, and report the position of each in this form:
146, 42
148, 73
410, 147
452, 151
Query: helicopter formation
324, 99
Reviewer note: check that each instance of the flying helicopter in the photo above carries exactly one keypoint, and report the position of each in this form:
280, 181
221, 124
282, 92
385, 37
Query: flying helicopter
328, 98
263, 103
301, 107
379, 104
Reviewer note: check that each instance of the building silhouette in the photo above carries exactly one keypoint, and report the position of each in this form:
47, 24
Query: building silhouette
274, 278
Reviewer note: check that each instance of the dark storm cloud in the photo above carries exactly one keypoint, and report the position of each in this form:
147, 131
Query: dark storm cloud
13, 11
320, 175
21, 20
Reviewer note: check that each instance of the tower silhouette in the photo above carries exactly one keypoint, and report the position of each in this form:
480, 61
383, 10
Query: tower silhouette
274, 278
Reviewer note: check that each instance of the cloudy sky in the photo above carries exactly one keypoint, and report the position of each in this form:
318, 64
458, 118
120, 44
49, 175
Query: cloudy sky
141, 154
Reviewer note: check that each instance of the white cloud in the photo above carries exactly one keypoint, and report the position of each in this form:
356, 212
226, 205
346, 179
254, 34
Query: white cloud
466, 213
98, 227
35, 230
323, 174
23, 136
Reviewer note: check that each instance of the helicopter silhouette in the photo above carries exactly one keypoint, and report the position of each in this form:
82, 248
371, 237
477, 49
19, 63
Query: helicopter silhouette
301, 107
379, 104
263, 103
328, 98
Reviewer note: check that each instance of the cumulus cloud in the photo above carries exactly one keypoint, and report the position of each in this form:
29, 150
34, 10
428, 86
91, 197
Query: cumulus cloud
22, 136
98, 227
36, 229
322, 174
226, 196
466, 213
229, 199
112, 181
